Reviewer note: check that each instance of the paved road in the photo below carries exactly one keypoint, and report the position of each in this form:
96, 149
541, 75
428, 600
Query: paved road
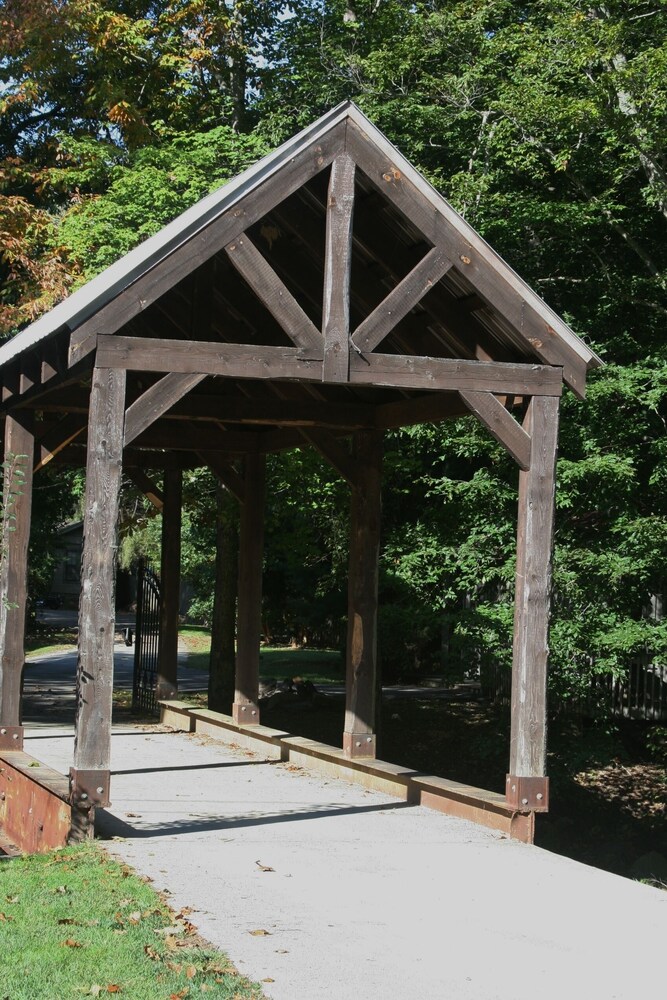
368, 898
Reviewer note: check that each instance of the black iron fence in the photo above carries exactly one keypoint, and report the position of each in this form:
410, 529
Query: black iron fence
147, 641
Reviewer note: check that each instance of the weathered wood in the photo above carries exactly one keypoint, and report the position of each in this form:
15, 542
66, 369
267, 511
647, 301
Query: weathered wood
361, 668
224, 470
92, 748
474, 258
273, 293
532, 595
335, 454
337, 271
223, 619
14, 538
170, 587
56, 438
401, 300
245, 709
404, 372
146, 485
431, 408
501, 424
204, 244
156, 401
206, 437
200, 357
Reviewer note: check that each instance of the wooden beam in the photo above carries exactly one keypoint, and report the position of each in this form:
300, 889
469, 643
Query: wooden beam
170, 586
337, 270
156, 401
532, 594
146, 486
401, 300
361, 667
431, 408
202, 358
406, 372
331, 450
245, 710
273, 293
92, 747
204, 244
57, 438
206, 437
14, 538
501, 424
489, 277
224, 471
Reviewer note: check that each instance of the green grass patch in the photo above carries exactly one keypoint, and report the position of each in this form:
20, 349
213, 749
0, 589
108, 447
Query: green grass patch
75, 923
320, 666
50, 641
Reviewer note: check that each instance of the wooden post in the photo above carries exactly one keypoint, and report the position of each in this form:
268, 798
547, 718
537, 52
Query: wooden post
527, 787
16, 509
245, 710
360, 692
223, 625
170, 586
89, 778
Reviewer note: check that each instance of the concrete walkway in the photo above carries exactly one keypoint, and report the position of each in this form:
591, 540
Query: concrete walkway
363, 896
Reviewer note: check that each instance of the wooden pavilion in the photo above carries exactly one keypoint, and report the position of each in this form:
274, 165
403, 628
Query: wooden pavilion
325, 295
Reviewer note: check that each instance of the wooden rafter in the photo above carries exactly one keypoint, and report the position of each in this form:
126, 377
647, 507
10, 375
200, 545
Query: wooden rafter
156, 401
501, 424
58, 437
273, 292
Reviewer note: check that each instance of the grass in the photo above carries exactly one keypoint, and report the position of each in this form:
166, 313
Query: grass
43, 641
320, 666
75, 923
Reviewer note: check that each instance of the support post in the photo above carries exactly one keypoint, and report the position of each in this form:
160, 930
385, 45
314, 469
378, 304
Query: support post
223, 625
245, 710
16, 510
360, 687
89, 777
527, 786
170, 586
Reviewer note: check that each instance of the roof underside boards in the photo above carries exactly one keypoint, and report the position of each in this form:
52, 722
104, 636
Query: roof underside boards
248, 266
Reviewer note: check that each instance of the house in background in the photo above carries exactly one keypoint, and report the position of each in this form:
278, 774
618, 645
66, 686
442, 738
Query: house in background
66, 582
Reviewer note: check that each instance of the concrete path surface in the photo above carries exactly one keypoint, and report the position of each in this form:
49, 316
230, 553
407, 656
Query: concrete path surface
364, 896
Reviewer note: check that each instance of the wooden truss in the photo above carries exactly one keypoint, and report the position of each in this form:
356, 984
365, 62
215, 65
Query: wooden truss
337, 297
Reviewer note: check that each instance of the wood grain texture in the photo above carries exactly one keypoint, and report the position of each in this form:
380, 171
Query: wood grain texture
15, 535
430, 408
501, 424
493, 281
406, 372
57, 438
251, 554
365, 523
401, 300
156, 401
204, 244
532, 592
203, 358
337, 270
170, 586
273, 293
92, 748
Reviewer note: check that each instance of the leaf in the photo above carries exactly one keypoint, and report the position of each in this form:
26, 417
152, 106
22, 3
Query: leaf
180, 995
264, 868
5, 919
268, 980
114, 988
190, 972
70, 943
12, 899
260, 932
151, 953
34, 763
67, 920
134, 918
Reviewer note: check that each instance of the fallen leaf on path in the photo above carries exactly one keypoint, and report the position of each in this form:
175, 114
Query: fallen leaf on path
190, 972
34, 763
268, 980
264, 868
135, 917
260, 932
71, 943
167, 930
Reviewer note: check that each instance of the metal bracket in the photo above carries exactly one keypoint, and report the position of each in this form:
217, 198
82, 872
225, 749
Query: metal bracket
359, 745
527, 794
245, 714
89, 788
11, 737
